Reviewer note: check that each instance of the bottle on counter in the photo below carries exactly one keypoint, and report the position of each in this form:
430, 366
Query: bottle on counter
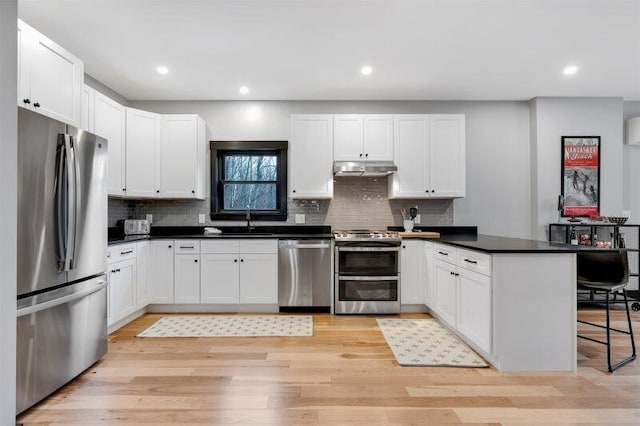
596, 243
573, 238
621, 243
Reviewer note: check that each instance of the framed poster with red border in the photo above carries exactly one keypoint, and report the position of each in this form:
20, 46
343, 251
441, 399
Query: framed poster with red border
581, 175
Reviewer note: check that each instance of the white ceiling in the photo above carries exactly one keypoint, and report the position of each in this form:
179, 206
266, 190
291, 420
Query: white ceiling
471, 50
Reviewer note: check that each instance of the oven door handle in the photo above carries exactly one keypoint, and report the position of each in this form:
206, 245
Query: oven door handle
370, 249
369, 278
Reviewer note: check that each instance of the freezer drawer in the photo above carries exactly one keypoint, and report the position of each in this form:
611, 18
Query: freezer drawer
60, 334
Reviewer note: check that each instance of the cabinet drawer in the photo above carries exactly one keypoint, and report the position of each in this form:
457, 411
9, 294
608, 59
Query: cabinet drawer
119, 252
220, 246
474, 261
445, 253
259, 246
187, 247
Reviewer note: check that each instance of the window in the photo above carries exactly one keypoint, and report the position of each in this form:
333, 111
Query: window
250, 174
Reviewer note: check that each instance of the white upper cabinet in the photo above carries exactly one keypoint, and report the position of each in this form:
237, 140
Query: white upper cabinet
105, 117
311, 156
411, 154
430, 155
143, 154
348, 138
378, 137
87, 100
50, 78
447, 155
183, 156
363, 137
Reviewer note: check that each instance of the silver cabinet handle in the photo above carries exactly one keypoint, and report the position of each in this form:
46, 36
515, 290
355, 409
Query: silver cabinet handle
471, 261
187, 247
369, 248
126, 252
443, 253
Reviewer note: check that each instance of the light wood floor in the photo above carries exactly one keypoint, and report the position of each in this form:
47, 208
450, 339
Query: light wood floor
344, 374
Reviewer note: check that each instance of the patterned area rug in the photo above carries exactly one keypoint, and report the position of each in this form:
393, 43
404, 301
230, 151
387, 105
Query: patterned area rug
230, 326
424, 342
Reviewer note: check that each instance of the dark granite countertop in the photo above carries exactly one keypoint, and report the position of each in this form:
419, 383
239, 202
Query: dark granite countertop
116, 235
495, 244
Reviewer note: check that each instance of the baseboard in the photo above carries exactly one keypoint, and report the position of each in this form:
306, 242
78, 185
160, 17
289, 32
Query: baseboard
126, 320
212, 308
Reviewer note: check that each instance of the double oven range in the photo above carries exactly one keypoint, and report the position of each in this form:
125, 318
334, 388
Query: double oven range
367, 272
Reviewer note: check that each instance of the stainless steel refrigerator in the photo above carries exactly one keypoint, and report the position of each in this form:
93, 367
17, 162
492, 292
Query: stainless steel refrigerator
62, 243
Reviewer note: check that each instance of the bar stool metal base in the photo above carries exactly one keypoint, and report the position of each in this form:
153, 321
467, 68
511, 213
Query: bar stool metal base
608, 327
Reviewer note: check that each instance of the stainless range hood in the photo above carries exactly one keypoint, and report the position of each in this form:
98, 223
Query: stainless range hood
363, 168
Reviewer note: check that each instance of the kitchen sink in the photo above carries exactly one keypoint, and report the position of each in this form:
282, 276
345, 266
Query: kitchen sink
247, 233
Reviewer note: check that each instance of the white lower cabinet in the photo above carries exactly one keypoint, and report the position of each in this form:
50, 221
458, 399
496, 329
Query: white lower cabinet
445, 294
474, 310
258, 278
243, 271
143, 263
428, 280
161, 277
220, 278
412, 273
187, 278
462, 293
122, 290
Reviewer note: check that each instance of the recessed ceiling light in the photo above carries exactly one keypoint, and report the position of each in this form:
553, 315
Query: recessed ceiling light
570, 70
243, 90
366, 70
162, 70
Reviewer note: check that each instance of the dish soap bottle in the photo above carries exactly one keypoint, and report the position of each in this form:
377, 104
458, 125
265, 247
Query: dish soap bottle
573, 238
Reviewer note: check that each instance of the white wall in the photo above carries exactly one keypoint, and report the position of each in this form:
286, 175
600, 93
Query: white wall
632, 168
557, 117
498, 199
8, 203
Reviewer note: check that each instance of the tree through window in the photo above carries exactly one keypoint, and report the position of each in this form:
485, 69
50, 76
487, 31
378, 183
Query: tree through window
248, 174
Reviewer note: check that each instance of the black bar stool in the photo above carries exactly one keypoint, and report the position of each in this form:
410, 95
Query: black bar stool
608, 272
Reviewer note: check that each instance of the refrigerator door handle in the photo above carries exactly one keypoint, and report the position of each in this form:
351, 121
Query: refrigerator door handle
76, 199
71, 208
60, 301
61, 196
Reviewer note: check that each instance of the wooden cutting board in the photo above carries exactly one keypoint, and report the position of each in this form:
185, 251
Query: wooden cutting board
420, 234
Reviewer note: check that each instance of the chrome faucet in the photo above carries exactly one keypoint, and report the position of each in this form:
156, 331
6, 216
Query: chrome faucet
248, 218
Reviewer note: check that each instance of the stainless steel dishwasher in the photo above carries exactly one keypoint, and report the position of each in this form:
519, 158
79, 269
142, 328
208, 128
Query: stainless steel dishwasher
305, 275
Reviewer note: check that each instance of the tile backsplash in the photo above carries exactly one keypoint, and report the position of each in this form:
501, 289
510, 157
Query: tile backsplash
356, 203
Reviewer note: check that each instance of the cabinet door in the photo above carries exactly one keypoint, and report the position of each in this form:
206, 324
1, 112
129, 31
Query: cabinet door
109, 122
429, 278
124, 288
411, 136
348, 137
23, 65
86, 108
160, 283
258, 278
187, 279
445, 292
110, 294
55, 78
220, 278
412, 266
311, 156
474, 309
143, 154
143, 259
447, 156
378, 137
179, 164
